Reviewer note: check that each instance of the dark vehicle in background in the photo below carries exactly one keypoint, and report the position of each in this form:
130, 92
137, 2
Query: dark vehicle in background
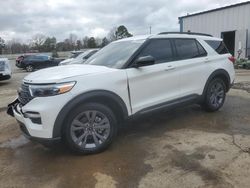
32, 62
20, 58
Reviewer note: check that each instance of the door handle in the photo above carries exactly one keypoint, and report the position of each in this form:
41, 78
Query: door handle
170, 67
207, 60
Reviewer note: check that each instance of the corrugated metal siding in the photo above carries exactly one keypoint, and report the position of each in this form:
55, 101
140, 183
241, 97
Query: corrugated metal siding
231, 19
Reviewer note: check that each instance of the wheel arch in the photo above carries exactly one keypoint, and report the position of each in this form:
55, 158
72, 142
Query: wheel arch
108, 98
219, 73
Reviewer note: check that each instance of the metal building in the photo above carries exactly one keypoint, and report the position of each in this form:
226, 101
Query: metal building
232, 23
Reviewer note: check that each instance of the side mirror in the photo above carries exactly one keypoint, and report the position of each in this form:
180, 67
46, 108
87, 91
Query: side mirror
144, 61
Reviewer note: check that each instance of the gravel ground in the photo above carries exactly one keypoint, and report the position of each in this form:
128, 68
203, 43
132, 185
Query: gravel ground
242, 85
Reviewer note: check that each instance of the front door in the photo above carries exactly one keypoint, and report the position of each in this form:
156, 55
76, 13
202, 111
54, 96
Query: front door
154, 84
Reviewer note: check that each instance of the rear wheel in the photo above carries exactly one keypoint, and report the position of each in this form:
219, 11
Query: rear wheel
29, 68
215, 95
90, 128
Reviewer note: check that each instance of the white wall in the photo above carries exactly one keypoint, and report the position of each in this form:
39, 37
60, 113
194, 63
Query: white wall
230, 19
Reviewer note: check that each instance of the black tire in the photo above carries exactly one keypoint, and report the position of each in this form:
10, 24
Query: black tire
29, 68
215, 95
79, 113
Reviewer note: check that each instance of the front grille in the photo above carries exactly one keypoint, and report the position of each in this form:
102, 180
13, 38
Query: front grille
2, 65
24, 95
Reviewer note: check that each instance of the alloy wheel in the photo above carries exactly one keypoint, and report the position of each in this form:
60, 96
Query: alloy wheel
90, 129
217, 94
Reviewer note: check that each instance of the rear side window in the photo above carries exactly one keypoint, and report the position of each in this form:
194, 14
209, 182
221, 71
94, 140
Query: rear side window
160, 49
202, 51
218, 46
188, 48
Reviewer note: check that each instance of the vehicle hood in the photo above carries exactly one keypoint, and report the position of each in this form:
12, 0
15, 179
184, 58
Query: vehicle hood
59, 73
66, 61
77, 61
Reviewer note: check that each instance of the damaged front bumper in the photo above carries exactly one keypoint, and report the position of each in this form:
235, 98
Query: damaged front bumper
29, 122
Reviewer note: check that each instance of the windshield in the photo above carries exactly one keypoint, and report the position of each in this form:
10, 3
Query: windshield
82, 55
115, 55
75, 54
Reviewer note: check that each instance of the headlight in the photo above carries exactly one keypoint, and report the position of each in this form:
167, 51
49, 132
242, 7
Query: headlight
7, 67
50, 90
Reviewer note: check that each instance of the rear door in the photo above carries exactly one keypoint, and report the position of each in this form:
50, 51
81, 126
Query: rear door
193, 65
154, 84
38, 61
47, 61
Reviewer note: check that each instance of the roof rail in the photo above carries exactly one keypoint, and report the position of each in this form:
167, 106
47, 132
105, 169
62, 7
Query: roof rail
187, 33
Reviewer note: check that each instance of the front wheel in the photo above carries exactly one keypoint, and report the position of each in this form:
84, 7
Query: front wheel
215, 95
90, 128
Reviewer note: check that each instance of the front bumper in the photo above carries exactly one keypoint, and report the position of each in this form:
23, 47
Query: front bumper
15, 111
5, 75
37, 117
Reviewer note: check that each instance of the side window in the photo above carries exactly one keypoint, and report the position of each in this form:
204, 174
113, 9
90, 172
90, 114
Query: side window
29, 58
218, 46
202, 51
90, 54
43, 58
188, 48
160, 49
36, 58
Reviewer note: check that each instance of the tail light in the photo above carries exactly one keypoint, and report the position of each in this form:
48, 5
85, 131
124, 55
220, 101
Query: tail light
232, 59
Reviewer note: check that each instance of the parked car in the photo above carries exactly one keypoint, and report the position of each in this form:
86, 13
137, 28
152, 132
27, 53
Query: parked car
81, 58
83, 105
20, 58
74, 54
32, 62
5, 69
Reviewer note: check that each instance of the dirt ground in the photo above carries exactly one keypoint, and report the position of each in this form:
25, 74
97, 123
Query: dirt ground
186, 147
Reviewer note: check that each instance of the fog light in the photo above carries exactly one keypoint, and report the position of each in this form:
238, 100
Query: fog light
34, 117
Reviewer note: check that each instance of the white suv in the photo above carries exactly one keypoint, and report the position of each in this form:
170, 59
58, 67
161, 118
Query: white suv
84, 104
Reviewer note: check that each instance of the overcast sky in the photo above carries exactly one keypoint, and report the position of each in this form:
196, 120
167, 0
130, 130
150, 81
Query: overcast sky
23, 18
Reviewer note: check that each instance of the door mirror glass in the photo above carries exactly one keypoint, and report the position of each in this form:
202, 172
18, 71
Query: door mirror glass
144, 61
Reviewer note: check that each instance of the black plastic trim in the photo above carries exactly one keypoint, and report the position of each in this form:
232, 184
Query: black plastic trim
4, 77
47, 141
218, 73
131, 60
186, 33
190, 99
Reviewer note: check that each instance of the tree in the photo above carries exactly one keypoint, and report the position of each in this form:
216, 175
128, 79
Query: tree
60, 46
67, 45
78, 45
122, 32
2, 45
14, 46
91, 42
118, 33
111, 35
49, 44
38, 40
104, 42
72, 40
85, 42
